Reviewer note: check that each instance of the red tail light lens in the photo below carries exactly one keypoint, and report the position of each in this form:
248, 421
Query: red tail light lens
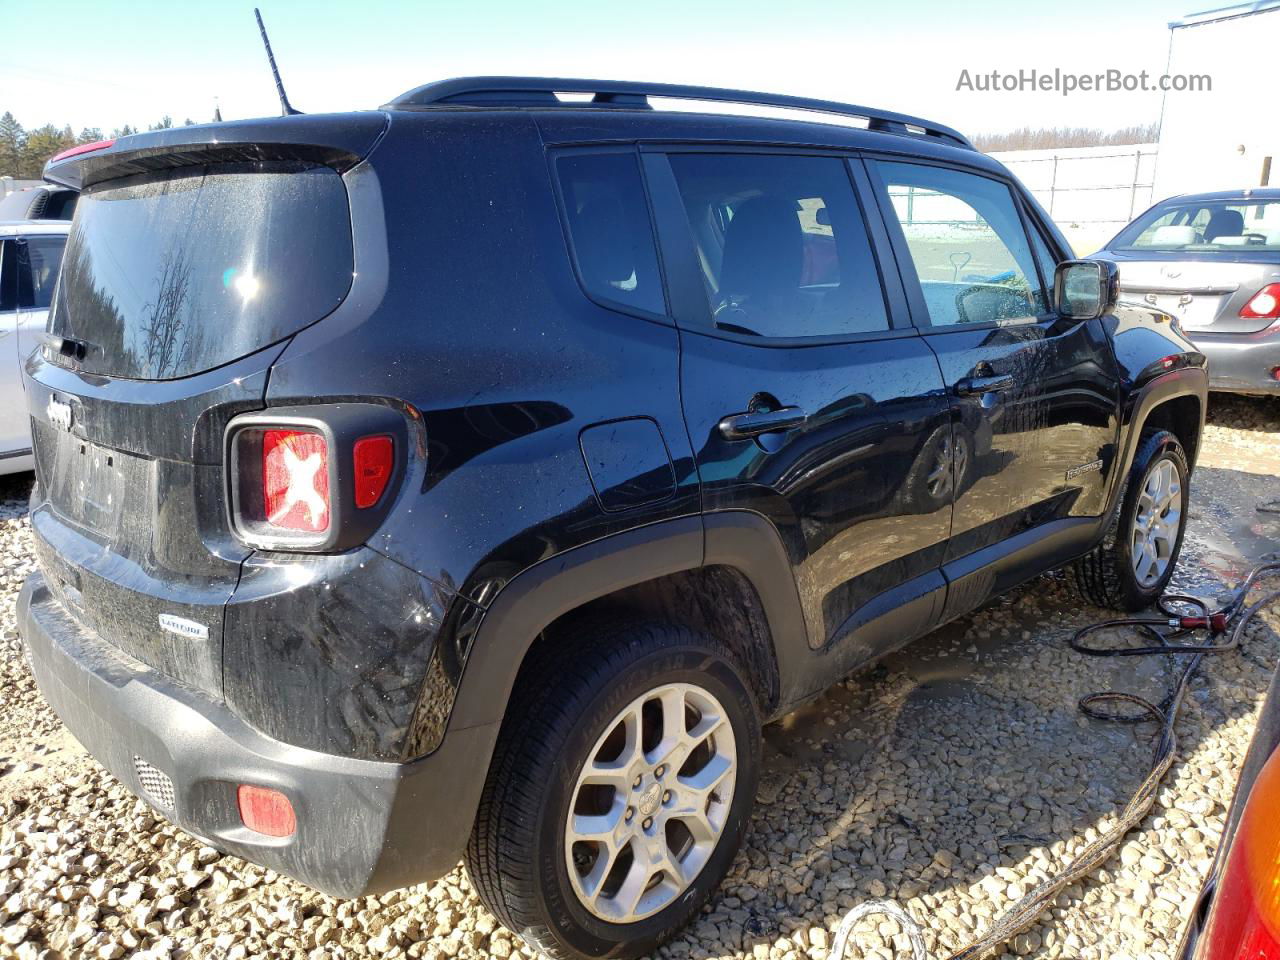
375, 458
295, 480
1245, 922
1265, 304
313, 478
266, 811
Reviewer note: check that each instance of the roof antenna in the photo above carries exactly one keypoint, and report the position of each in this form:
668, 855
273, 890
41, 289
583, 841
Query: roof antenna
286, 108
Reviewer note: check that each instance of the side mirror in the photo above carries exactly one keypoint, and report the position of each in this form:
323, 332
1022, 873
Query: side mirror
1085, 289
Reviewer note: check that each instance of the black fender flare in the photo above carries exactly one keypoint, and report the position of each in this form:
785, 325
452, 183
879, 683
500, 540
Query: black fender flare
1186, 382
533, 599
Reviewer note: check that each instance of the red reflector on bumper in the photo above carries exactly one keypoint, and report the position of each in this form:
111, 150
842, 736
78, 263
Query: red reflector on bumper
266, 811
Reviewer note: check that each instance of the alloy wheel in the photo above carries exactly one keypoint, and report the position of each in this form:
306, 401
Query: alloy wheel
650, 803
1156, 523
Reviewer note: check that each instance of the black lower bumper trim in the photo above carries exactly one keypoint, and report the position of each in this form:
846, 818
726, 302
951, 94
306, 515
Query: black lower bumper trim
363, 827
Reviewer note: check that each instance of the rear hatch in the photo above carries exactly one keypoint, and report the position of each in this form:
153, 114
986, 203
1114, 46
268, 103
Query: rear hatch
193, 257
1206, 295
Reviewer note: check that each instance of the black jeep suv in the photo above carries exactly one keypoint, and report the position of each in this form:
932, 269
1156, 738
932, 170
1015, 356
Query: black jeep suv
473, 477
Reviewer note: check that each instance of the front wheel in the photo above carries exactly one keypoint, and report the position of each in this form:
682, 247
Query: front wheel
619, 792
1130, 569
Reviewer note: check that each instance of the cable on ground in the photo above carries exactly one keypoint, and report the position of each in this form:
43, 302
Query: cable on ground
1163, 633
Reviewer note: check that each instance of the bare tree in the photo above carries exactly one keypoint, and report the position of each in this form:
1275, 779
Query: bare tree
1048, 138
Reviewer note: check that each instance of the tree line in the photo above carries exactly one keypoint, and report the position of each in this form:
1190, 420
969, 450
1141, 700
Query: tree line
1049, 138
23, 152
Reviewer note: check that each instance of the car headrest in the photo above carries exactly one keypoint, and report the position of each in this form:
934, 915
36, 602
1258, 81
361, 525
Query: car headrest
763, 248
1223, 223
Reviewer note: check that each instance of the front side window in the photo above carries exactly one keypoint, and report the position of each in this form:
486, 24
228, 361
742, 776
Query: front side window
782, 245
1048, 269
1217, 226
609, 229
967, 242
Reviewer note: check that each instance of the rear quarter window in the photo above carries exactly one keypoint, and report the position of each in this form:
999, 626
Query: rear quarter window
610, 233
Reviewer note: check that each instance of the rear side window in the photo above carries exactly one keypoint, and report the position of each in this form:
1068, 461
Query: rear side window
168, 275
38, 261
610, 231
782, 245
8, 275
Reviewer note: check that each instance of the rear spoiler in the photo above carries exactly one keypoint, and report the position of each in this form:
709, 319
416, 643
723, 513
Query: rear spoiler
334, 140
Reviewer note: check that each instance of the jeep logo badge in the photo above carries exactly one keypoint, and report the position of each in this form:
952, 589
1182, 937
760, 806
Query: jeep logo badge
183, 627
59, 412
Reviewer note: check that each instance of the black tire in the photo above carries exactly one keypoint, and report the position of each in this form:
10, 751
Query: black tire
515, 857
1105, 577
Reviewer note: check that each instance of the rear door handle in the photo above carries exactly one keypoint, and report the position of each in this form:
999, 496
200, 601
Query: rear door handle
743, 426
970, 386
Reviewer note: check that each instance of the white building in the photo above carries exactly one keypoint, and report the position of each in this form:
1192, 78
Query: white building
1226, 138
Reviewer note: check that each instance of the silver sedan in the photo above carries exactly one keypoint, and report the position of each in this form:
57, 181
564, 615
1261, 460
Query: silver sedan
1212, 261
30, 257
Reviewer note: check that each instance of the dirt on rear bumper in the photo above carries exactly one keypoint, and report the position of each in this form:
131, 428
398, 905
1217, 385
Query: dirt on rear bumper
362, 826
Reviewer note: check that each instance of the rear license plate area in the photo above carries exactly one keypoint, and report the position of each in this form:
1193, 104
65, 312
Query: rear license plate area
101, 490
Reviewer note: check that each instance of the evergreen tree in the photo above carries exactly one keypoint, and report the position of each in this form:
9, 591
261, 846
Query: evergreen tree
12, 137
41, 144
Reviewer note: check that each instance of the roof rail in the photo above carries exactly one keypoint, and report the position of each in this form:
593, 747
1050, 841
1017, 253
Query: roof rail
541, 92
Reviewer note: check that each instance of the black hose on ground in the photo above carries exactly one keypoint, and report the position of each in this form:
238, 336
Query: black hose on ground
1165, 633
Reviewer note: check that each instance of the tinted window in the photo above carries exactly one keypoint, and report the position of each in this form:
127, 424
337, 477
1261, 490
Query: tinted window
1222, 226
610, 230
967, 243
8, 276
167, 276
782, 245
38, 261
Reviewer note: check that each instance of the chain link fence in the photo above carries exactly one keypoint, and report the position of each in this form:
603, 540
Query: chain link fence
1090, 192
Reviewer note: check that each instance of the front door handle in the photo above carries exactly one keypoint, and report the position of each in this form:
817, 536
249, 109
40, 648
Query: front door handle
744, 426
970, 386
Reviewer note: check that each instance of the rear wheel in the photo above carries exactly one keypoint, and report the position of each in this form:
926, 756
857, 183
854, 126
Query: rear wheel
619, 791
1133, 564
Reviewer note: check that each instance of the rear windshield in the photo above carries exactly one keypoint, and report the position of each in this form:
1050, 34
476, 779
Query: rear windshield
1239, 226
168, 276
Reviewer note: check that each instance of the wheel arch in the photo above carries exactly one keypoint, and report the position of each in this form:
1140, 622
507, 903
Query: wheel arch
725, 573
1176, 402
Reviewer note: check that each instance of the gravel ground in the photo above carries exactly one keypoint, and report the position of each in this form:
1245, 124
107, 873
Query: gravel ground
951, 777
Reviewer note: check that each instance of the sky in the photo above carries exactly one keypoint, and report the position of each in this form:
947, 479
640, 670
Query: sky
106, 63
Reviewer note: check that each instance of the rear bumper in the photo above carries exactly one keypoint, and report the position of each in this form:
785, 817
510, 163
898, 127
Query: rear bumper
362, 826
1242, 363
